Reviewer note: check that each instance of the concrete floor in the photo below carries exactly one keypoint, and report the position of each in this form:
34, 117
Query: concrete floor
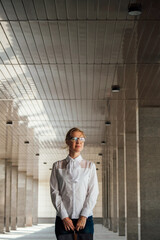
46, 232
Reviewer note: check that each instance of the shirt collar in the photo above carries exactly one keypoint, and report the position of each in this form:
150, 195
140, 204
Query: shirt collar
79, 158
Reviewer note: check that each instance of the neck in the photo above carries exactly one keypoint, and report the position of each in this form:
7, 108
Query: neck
73, 154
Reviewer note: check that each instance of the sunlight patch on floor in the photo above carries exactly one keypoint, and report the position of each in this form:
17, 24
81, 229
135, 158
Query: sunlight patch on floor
21, 232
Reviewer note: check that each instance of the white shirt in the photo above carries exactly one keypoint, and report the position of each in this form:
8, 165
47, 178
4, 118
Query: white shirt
74, 187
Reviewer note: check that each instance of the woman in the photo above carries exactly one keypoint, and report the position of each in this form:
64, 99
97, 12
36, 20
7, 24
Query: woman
74, 190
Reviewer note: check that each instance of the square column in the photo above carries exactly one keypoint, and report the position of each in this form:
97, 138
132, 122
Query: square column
112, 173
114, 209
8, 196
149, 164
2, 194
112, 218
29, 200
109, 223
14, 197
130, 170
121, 201
105, 187
35, 201
110, 189
21, 207
120, 170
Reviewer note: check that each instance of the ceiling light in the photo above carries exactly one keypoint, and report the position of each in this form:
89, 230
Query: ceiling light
9, 122
26, 142
103, 142
134, 9
107, 123
115, 88
100, 154
45, 163
98, 162
37, 154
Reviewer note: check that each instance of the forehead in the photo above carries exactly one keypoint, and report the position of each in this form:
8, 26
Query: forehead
77, 134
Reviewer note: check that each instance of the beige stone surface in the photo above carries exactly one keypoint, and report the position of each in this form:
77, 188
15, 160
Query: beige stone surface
14, 194
2, 191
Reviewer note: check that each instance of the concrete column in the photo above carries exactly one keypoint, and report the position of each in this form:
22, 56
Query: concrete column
35, 201
114, 219
149, 155
104, 199
14, 197
2, 194
110, 200
8, 197
120, 169
105, 187
130, 171
120, 184
113, 192
29, 200
21, 207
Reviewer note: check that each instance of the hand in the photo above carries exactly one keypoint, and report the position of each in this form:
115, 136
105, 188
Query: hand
68, 224
81, 223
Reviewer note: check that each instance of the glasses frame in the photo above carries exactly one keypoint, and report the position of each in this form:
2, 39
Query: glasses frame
75, 139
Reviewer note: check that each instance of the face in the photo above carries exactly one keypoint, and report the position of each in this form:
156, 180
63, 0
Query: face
76, 146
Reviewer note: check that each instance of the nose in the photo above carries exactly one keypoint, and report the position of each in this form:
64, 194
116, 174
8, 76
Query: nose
78, 140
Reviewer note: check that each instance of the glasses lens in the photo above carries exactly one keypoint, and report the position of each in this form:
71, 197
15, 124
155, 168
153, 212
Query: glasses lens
76, 139
82, 139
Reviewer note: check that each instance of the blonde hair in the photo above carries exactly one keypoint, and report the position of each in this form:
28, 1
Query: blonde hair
68, 135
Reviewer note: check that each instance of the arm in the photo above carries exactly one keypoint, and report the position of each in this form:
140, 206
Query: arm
55, 196
92, 193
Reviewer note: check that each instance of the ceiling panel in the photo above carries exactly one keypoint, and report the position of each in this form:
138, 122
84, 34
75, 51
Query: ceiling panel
47, 41
8, 9
29, 8
39, 41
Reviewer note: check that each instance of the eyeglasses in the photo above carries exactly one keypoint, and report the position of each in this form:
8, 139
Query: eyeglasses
75, 139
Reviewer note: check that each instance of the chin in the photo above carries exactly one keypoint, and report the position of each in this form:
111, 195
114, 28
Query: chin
78, 149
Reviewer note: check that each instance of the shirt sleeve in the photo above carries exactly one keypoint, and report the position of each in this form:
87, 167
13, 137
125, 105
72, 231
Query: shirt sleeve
55, 196
92, 193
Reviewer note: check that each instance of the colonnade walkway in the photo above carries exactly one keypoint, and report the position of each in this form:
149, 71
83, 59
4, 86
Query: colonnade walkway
46, 232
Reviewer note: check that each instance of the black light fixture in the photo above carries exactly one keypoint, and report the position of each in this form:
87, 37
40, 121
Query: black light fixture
100, 154
103, 142
26, 142
45, 163
50, 168
37, 154
134, 9
98, 162
107, 123
9, 122
97, 169
115, 88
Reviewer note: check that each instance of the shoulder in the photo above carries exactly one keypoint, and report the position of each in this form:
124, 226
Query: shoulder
60, 164
87, 164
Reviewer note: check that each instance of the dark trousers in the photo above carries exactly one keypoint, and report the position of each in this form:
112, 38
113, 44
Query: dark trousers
82, 234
